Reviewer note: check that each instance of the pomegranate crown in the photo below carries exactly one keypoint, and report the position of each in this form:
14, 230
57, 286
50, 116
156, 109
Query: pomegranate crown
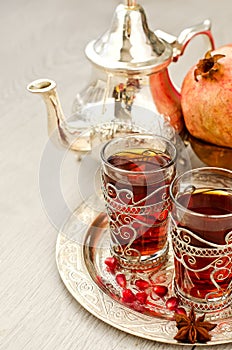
207, 66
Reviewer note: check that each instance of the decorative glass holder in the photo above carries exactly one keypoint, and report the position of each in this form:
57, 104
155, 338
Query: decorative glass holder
202, 238
136, 174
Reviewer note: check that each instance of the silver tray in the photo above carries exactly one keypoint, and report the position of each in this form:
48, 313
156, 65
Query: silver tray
82, 246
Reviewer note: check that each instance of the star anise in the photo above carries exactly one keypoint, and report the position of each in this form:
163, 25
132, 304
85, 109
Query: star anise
191, 329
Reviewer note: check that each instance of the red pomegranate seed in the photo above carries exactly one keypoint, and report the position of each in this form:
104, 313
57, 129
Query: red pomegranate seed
142, 284
111, 263
137, 306
160, 290
180, 311
128, 296
141, 297
121, 280
172, 303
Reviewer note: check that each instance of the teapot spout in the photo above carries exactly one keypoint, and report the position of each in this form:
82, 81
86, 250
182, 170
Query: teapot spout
55, 115
58, 129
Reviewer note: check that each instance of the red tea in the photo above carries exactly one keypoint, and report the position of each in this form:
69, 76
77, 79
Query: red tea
204, 268
138, 201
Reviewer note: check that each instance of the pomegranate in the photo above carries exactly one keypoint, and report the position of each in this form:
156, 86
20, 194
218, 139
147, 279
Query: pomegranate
206, 98
180, 311
160, 290
111, 263
141, 297
172, 303
121, 280
142, 284
128, 296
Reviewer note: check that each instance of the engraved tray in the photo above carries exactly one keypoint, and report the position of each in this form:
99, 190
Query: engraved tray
82, 246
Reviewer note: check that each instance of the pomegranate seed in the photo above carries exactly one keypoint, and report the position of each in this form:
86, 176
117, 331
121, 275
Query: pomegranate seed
172, 303
128, 296
121, 280
138, 307
180, 311
141, 297
111, 263
160, 290
142, 284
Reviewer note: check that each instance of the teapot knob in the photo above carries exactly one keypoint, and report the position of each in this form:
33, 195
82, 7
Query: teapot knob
130, 3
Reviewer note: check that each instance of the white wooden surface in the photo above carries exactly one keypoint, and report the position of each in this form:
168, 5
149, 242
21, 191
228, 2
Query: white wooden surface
46, 38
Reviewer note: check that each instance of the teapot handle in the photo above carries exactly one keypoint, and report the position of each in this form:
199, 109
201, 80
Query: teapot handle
165, 95
188, 34
179, 43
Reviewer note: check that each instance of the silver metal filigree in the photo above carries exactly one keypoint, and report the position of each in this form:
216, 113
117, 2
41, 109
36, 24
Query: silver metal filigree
125, 215
199, 256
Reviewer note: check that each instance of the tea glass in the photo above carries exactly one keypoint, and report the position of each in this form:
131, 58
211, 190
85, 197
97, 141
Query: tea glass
202, 237
136, 174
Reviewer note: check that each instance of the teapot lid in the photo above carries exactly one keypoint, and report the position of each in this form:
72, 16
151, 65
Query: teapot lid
129, 44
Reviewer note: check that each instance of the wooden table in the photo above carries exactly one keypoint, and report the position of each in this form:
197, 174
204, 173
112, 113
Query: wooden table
47, 39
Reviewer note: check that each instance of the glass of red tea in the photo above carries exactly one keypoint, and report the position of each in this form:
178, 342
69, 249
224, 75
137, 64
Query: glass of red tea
136, 174
202, 237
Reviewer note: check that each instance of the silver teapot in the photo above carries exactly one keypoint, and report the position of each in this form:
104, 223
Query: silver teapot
130, 88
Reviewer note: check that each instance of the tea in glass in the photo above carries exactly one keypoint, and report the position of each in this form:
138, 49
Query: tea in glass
202, 237
136, 175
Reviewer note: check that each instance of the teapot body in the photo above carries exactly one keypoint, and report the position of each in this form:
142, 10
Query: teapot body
117, 97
